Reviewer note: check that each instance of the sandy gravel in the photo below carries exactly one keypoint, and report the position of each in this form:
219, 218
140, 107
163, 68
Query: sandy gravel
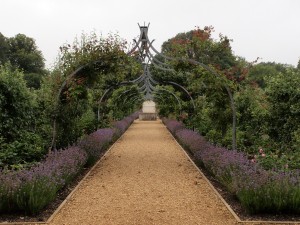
145, 179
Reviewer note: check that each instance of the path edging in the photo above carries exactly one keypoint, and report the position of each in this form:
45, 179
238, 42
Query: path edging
22, 223
83, 179
237, 218
72, 192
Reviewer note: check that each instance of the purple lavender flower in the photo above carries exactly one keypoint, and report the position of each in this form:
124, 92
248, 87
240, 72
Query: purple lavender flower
31, 190
173, 125
95, 143
190, 139
122, 125
259, 190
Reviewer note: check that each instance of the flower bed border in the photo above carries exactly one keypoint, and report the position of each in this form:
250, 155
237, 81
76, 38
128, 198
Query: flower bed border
237, 218
83, 179
73, 191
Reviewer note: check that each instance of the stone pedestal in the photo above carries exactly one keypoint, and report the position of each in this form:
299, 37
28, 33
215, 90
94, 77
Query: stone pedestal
147, 116
148, 111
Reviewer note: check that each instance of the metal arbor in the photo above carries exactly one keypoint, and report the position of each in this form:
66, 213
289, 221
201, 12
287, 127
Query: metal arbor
146, 52
147, 86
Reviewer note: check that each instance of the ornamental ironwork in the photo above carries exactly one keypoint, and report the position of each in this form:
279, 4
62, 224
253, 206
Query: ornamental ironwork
147, 86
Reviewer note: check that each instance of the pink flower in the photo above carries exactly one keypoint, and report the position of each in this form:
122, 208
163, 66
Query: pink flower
253, 160
263, 155
261, 151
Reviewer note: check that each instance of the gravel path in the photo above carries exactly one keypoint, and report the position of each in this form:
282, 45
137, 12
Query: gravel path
145, 179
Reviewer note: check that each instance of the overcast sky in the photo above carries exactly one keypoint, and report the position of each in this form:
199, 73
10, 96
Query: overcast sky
269, 29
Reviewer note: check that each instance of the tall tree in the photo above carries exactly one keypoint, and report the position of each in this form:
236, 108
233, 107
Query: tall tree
284, 96
24, 54
19, 141
4, 49
199, 45
264, 71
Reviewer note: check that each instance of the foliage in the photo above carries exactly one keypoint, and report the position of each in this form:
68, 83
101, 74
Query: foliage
19, 141
27, 115
4, 49
276, 160
103, 64
253, 113
23, 54
210, 90
124, 101
262, 72
265, 96
17, 102
284, 97
191, 140
169, 101
272, 192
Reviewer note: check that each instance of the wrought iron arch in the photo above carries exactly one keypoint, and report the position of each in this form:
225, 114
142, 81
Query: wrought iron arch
148, 84
172, 94
144, 45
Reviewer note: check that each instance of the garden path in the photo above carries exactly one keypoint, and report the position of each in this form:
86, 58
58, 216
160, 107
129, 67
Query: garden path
144, 179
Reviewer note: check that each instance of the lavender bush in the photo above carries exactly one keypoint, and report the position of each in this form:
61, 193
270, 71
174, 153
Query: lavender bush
258, 190
164, 120
31, 190
190, 140
269, 191
173, 125
96, 143
122, 125
222, 163
35, 194
9, 183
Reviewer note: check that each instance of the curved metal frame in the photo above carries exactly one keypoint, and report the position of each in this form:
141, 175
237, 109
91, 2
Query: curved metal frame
63, 85
143, 45
177, 99
147, 45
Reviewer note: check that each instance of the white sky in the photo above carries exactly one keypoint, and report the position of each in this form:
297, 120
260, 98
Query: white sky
268, 29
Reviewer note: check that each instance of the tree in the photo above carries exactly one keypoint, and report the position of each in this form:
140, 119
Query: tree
284, 96
19, 141
253, 113
24, 55
16, 102
264, 71
4, 49
216, 86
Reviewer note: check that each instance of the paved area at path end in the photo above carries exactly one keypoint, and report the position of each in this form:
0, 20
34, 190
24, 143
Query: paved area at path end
145, 179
